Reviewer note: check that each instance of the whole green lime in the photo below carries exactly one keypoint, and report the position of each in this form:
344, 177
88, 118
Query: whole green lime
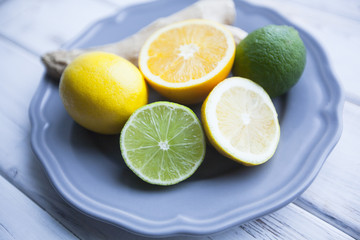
273, 56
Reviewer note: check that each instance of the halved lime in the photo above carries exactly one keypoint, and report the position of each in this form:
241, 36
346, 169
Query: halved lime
163, 143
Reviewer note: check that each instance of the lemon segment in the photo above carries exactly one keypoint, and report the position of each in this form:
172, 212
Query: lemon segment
241, 122
185, 60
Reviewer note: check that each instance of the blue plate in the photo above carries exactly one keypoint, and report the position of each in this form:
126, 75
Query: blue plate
88, 172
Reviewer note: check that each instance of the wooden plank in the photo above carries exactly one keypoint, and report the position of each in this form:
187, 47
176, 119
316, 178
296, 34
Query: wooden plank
18, 164
338, 35
345, 8
21, 218
44, 25
291, 222
327, 26
20, 74
127, 3
335, 194
24, 171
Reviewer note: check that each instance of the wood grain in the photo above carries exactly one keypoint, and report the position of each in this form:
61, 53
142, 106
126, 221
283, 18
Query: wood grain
25, 172
286, 224
43, 25
21, 218
26, 27
337, 33
334, 196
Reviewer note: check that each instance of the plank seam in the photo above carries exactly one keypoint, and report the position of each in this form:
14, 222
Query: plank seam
12, 41
327, 11
7, 178
7, 231
108, 3
310, 208
352, 98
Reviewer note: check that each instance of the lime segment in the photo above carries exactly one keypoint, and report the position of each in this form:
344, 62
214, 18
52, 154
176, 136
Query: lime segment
163, 143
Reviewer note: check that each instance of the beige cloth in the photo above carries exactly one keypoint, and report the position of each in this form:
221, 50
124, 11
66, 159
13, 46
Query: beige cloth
222, 11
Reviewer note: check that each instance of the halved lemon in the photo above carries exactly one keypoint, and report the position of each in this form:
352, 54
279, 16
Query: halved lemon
241, 122
184, 61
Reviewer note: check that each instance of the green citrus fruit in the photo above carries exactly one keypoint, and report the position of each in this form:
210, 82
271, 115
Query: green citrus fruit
273, 56
163, 143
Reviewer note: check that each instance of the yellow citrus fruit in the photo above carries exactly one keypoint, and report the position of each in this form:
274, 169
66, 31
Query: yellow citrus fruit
184, 61
241, 122
101, 90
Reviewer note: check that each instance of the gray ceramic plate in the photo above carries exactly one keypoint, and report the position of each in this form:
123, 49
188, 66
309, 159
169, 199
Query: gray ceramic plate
89, 173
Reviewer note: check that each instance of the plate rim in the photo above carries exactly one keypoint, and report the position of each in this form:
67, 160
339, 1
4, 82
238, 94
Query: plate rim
181, 224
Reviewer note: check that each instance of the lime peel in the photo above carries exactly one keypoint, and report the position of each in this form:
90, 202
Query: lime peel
273, 56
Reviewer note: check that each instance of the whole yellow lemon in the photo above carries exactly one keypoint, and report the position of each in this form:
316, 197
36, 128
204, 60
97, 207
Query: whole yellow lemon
101, 90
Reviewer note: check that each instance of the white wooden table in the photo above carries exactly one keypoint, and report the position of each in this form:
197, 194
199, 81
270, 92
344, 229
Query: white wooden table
31, 209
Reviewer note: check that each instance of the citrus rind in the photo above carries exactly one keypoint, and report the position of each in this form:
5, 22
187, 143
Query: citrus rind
211, 125
136, 170
194, 90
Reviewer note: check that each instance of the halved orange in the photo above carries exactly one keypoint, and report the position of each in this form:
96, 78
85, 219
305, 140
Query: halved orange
184, 61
